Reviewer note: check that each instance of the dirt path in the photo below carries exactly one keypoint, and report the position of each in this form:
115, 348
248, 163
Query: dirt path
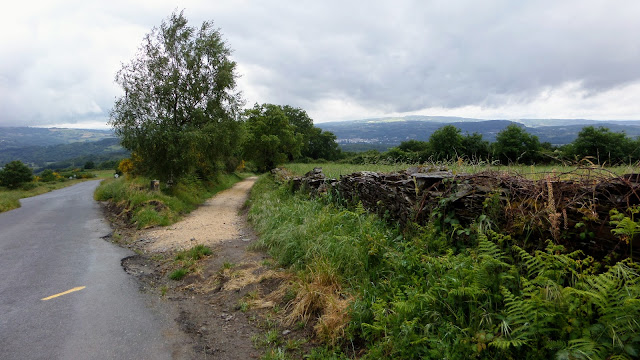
232, 299
217, 220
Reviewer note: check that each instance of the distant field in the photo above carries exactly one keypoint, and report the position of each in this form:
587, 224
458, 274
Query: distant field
532, 172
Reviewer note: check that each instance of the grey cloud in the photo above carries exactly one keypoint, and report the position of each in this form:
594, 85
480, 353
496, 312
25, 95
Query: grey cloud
414, 55
399, 56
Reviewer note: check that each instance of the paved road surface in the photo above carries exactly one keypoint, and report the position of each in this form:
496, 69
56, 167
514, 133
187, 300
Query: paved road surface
53, 244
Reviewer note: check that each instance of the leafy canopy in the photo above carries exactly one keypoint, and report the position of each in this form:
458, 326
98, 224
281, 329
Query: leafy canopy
514, 145
179, 110
270, 138
603, 145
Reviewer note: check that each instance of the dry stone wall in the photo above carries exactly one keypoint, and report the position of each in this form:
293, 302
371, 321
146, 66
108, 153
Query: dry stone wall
572, 213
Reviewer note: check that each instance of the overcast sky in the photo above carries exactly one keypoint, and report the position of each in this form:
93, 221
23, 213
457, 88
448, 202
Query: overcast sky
340, 60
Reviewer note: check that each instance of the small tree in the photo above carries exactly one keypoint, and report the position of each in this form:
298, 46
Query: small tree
270, 138
322, 145
89, 165
15, 174
602, 145
180, 109
475, 148
514, 145
446, 143
48, 175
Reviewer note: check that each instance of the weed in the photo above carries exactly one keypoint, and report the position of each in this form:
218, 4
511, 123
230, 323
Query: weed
275, 354
294, 344
289, 295
195, 253
253, 295
243, 306
163, 291
178, 274
228, 265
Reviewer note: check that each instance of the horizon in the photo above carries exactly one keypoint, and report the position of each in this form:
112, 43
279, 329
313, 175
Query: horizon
82, 126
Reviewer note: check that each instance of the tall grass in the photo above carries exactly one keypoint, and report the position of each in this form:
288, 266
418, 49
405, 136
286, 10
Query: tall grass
307, 234
146, 208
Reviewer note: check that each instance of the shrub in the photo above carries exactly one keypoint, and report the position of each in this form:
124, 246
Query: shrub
15, 174
48, 176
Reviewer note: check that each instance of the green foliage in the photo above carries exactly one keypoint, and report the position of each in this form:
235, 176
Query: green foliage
48, 175
515, 145
475, 148
179, 112
195, 253
14, 174
300, 233
446, 143
419, 296
321, 145
413, 146
271, 139
178, 274
626, 227
603, 146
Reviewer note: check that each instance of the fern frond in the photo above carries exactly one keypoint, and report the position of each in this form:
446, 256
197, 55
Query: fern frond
505, 344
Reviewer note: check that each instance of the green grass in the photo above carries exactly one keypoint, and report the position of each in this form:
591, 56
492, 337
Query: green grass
195, 253
160, 208
10, 199
300, 233
335, 170
178, 274
187, 260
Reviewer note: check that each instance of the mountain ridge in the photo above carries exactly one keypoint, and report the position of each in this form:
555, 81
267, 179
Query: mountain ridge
391, 131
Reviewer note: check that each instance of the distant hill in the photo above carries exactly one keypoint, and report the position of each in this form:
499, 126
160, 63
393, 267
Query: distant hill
20, 137
388, 132
65, 155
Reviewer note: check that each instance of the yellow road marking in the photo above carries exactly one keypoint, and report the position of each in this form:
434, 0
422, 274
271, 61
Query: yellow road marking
64, 293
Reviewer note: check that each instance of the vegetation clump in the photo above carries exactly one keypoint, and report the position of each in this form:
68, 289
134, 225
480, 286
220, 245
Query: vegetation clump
14, 174
187, 260
416, 293
136, 203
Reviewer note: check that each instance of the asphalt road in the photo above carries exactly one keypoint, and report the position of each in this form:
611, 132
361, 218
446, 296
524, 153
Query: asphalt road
53, 244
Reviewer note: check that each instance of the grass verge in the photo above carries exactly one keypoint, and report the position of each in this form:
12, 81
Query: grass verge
137, 204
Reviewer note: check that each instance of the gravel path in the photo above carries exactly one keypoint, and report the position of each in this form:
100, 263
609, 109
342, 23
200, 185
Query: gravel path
217, 220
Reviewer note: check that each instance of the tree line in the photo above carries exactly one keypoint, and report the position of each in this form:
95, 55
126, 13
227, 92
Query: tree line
513, 145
